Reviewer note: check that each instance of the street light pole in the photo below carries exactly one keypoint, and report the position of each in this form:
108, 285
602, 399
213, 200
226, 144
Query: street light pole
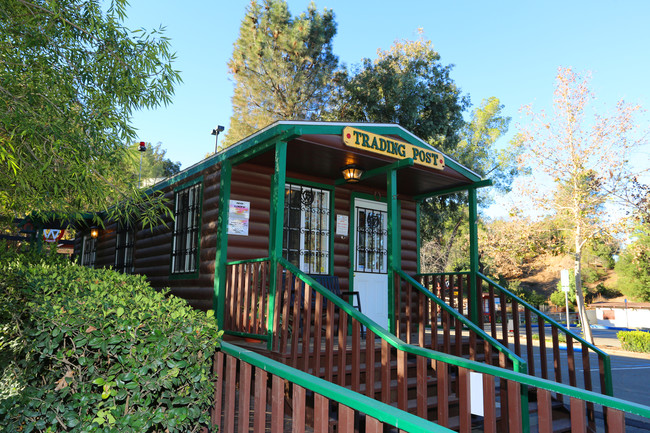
141, 148
216, 132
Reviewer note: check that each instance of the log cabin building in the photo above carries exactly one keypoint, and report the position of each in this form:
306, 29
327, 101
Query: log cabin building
305, 237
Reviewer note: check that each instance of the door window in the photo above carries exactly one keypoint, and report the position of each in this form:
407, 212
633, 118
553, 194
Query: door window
371, 238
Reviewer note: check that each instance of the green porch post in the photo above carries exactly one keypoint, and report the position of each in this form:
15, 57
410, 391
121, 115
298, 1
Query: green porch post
276, 228
219, 301
474, 295
393, 247
418, 239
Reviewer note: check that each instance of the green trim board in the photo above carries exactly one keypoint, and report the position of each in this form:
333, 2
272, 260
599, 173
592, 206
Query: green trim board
482, 184
476, 297
276, 227
221, 253
288, 130
195, 274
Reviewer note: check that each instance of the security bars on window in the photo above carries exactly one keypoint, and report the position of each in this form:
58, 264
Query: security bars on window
124, 249
371, 241
186, 230
307, 228
88, 252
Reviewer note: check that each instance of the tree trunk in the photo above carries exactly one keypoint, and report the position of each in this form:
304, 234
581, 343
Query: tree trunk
580, 299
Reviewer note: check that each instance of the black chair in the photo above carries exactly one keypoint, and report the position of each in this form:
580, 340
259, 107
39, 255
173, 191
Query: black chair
331, 283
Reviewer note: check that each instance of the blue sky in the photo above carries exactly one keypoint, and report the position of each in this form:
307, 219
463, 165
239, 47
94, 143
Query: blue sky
507, 49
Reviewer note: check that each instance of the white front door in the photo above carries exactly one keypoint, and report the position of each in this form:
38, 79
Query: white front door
370, 261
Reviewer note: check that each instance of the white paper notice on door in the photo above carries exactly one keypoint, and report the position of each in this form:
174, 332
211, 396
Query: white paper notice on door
238, 217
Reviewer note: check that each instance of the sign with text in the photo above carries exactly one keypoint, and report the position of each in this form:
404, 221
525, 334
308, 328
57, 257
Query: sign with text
382, 145
238, 216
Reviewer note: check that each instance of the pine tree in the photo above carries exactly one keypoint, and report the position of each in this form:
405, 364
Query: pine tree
283, 67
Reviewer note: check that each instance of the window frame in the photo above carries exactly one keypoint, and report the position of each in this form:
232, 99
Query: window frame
327, 246
185, 272
124, 250
86, 241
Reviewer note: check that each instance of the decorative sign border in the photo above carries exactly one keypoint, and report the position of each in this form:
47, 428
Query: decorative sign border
382, 145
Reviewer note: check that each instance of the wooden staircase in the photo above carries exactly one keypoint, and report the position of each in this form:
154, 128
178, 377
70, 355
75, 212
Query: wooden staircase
432, 369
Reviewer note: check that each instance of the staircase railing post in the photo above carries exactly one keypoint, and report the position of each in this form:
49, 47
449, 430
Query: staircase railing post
220, 276
475, 289
275, 231
393, 235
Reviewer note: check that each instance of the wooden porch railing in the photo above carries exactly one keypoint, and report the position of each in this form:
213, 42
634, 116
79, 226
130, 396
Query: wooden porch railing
544, 356
247, 298
256, 393
320, 334
426, 320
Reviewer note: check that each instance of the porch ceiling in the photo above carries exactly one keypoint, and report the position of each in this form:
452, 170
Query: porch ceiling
324, 156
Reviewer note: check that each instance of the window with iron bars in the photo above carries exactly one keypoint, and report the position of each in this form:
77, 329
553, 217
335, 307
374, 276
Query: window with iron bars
306, 232
88, 251
187, 225
372, 255
124, 249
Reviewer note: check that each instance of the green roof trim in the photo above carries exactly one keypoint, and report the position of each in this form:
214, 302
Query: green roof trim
288, 130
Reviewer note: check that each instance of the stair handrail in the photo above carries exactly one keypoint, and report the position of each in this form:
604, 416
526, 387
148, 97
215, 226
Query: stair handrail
609, 386
381, 411
518, 363
522, 378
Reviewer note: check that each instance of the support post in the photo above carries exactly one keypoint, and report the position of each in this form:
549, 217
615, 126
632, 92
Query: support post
418, 238
475, 289
220, 277
393, 247
276, 229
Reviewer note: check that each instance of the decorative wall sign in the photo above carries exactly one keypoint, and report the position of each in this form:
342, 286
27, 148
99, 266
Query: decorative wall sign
238, 217
342, 223
391, 147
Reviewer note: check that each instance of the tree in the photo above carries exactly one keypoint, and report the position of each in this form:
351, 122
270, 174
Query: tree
586, 160
407, 85
633, 267
71, 76
283, 67
154, 163
410, 86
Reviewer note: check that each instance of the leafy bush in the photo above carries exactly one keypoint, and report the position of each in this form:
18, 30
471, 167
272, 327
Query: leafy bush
634, 341
101, 351
633, 267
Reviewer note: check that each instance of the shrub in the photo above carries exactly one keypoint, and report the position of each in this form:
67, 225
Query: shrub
634, 341
102, 351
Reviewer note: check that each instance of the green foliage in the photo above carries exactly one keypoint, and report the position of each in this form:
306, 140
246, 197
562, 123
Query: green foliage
633, 267
154, 163
283, 67
407, 85
95, 350
71, 77
634, 341
530, 296
558, 298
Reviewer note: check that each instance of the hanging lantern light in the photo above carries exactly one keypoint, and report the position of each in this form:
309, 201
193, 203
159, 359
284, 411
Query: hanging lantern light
352, 173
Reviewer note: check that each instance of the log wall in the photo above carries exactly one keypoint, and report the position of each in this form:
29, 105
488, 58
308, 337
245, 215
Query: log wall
252, 183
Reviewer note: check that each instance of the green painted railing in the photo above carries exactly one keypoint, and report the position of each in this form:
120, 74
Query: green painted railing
507, 297
461, 321
341, 361
381, 412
